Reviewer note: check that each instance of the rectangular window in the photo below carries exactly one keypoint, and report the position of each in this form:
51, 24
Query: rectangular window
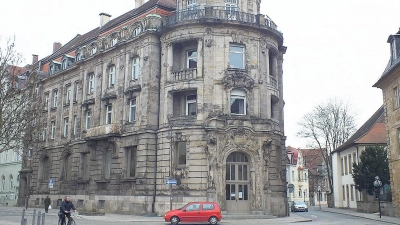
343, 193
345, 165
85, 166
354, 158
107, 165
238, 102
53, 129
131, 161
396, 97
44, 134
75, 125
350, 165
75, 92
46, 101
191, 59
191, 105
132, 110
292, 175
236, 56
352, 192
341, 166
88, 116
55, 98
181, 153
68, 95
298, 175
108, 114
111, 77
135, 69
91, 84
66, 127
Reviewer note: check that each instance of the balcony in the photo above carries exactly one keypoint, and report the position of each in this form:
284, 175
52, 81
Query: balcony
100, 132
186, 74
220, 14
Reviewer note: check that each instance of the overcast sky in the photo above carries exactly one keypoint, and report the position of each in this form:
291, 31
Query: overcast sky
335, 48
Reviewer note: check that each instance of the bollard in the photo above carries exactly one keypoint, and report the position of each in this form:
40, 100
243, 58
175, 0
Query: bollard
23, 217
39, 216
43, 218
34, 215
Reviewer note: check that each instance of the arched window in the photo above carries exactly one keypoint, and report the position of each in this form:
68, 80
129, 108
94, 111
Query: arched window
65, 64
238, 102
94, 50
45, 168
66, 169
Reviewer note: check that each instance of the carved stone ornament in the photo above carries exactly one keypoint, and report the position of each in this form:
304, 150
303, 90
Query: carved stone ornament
238, 80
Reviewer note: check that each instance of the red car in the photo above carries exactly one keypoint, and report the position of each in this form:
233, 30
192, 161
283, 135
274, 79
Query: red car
195, 212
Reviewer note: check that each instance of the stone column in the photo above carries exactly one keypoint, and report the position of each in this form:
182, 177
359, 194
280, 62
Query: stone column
170, 61
200, 55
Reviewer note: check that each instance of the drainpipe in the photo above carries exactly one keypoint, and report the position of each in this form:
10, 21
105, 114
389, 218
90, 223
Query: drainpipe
153, 205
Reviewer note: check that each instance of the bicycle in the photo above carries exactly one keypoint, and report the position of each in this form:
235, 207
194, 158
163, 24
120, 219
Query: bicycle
71, 221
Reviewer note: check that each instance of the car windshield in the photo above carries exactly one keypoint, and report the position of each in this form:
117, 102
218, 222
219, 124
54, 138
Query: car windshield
299, 203
183, 206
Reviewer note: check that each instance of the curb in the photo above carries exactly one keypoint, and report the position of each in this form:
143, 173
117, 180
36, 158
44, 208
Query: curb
358, 216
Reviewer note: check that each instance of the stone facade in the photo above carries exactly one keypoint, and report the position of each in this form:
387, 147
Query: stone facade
189, 95
389, 83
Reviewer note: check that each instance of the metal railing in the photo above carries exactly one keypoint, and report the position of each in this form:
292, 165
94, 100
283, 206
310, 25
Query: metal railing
218, 14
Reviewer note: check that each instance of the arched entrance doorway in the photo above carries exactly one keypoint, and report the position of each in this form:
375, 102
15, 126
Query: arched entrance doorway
237, 183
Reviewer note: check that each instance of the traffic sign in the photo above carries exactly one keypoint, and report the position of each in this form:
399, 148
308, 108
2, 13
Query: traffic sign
171, 182
51, 183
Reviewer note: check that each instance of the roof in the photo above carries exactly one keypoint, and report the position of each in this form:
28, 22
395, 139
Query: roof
80, 40
371, 132
313, 159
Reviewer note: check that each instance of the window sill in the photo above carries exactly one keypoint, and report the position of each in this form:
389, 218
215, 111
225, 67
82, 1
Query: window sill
53, 108
131, 179
237, 69
82, 181
102, 181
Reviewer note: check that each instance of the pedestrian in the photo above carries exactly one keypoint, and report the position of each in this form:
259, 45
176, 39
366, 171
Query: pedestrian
47, 202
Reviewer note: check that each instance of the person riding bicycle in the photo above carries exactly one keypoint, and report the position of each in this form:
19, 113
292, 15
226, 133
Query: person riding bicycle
65, 209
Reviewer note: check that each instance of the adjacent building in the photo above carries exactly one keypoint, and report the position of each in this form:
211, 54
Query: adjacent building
297, 175
389, 82
10, 165
188, 92
371, 133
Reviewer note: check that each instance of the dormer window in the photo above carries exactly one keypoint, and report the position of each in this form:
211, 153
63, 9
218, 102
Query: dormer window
114, 41
94, 50
78, 57
137, 31
54, 67
65, 64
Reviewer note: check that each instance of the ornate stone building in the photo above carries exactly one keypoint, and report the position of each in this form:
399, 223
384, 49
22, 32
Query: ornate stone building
389, 82
182, 90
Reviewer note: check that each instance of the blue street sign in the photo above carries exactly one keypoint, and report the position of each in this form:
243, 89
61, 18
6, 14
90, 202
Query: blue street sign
171, 182
51, 183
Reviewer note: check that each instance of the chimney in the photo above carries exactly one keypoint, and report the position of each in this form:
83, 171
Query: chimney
56, 46
35, 58
104, 18
139, 3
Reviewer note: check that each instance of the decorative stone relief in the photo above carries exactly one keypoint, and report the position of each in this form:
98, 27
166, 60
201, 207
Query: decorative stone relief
238, 79
208, 39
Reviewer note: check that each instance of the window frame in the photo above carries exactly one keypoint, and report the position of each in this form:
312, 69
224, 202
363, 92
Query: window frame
188, 58
189, 102
237, 94
91, 83
65, 130
74, 130
233, 52
47, 100
132, 110
108, 114
396, 98
111, 76
53, 130
68, 95
88, 116
135, 68
178, 150
55, 98
131, 159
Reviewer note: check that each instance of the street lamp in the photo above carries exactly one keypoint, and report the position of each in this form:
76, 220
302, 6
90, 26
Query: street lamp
319, 196
378, 184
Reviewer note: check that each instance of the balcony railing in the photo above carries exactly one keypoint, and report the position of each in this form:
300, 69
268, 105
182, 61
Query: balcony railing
185, 74
273, 82
103, 131
220, 14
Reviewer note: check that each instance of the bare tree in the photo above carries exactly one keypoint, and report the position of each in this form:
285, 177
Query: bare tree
17, 111
327, 127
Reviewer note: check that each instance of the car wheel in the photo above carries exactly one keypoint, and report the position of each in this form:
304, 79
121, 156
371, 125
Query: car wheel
213, 220
174, 220
306, 210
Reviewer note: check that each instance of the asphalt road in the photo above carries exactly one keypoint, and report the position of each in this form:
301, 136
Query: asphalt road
13, 217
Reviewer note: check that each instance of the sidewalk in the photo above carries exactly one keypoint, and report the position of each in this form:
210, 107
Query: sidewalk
115, 218
353, 212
